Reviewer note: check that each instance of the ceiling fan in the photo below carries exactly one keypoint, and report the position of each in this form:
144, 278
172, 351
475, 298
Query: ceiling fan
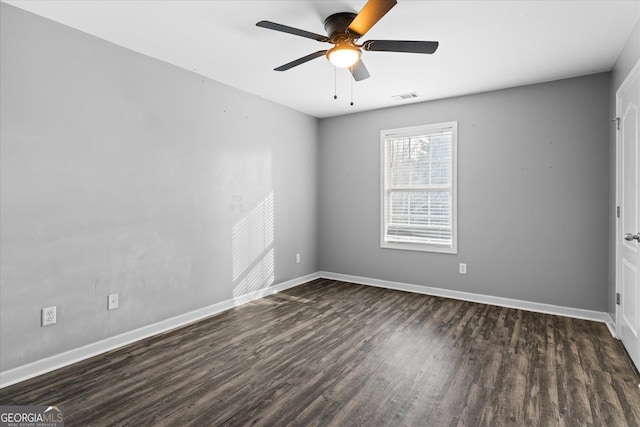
343, 30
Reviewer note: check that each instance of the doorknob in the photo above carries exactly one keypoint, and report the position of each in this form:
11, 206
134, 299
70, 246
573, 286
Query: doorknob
631, 237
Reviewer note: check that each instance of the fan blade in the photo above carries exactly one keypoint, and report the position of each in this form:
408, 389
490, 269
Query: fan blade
370, 15
359, 71
302, 60
290, 30
409, 46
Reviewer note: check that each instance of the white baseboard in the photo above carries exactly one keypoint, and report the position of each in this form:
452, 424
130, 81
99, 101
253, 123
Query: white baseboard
578, 313
611, 324
48, 364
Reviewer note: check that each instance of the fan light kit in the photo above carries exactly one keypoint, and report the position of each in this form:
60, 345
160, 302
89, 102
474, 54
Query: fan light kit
343, 30
343, 56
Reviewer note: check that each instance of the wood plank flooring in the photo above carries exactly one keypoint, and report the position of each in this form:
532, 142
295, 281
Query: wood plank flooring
340, 354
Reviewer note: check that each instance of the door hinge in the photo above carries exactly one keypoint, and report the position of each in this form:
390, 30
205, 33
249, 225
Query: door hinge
618, 211
617, 120
617, 298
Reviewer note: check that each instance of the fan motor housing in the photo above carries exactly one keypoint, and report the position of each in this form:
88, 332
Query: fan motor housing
336, 26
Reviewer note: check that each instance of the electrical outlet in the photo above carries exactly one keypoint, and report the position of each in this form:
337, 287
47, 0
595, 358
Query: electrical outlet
298, 258
463, 268
113, 302
48, 315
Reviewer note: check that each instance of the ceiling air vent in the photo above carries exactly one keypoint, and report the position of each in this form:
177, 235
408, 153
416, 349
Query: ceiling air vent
405, 96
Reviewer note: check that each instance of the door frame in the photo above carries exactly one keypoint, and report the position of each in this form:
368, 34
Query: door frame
618, 262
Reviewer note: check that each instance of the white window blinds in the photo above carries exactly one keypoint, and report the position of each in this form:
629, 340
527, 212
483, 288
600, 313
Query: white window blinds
419, 188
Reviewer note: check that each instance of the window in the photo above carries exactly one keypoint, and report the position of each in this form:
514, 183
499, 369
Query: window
419, 188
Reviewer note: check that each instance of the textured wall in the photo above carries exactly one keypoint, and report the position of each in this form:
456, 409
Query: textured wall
120, 173
533, 177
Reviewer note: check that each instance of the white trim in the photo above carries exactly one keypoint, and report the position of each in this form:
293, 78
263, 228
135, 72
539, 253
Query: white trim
48, 364
429, 129
577, 313
61, 360
618, 265
611, 325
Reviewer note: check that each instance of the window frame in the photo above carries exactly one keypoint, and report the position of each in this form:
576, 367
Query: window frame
385, 134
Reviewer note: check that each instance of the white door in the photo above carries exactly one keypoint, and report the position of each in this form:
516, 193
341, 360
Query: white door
628, 239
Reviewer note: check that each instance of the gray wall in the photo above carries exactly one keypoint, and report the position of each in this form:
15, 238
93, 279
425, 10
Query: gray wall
628, 57
533, 178
120, 173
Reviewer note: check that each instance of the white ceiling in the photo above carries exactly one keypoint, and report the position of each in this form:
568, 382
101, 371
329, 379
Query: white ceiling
484, 45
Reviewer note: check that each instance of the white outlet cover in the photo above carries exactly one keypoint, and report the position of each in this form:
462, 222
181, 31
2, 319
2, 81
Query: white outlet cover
112, 302
463, 268
48, 316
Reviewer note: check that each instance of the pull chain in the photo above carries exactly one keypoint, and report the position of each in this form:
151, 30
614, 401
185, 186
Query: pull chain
335, 85
351, 80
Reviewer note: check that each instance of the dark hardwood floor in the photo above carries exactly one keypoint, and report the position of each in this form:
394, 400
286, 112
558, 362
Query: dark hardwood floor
339, 354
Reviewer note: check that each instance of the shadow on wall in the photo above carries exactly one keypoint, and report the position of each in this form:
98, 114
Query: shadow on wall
253, 252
